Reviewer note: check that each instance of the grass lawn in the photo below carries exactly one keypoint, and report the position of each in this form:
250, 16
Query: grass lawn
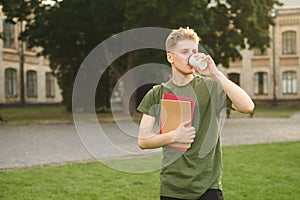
260, 172
268, 111
58, 114
275, 112
49, 114
35, 114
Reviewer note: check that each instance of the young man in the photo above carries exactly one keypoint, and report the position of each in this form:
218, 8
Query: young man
195, 173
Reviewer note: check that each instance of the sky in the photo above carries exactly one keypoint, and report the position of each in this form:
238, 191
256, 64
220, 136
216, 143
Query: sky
290, 3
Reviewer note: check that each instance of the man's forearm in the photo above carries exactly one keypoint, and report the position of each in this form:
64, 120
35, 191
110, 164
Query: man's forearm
155, 140
239, 98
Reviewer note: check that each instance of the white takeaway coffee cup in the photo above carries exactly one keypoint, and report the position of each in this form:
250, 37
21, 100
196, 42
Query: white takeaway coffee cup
199, 63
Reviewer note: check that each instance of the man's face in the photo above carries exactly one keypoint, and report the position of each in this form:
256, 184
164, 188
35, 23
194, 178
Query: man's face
179, 56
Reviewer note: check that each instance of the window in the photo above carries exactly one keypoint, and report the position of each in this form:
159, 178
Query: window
261, 83
289, 82
289, 42
50, 85
31, 84
8, 35
259, 52
234, 77
10, 82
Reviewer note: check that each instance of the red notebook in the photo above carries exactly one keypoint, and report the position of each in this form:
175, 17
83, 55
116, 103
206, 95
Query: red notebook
164, 125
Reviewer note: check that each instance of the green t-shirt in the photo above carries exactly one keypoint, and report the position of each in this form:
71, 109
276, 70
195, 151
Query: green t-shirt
189, 174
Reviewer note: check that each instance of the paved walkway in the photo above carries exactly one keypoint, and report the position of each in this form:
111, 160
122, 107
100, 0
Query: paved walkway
33, 145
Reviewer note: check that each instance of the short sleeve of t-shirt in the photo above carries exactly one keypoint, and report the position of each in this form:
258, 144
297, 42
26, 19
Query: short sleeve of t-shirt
221, 100
150, 104
218, 95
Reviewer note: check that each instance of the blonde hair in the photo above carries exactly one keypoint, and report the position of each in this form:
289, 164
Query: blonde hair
180, 34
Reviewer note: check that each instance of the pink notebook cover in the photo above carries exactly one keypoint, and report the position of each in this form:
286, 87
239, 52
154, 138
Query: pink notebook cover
180, 98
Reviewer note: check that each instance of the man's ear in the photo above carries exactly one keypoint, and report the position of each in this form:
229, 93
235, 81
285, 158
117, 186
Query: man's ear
170, 57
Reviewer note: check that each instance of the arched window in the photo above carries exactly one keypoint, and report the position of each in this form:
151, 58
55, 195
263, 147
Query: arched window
50, 92
289, 42
289, 82
31, 83
10, 82
261, 83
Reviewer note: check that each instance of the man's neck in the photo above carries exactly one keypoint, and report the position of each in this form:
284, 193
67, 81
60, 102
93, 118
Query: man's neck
181, 79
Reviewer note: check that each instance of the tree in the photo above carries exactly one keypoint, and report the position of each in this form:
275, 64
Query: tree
69, 30
73, 29
222, 25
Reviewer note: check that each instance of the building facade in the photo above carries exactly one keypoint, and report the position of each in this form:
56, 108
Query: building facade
40, 86
273, 75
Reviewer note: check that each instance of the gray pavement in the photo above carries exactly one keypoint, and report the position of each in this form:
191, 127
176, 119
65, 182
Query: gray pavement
34, 145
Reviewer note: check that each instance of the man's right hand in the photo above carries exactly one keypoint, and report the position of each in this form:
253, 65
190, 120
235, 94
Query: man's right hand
185, 133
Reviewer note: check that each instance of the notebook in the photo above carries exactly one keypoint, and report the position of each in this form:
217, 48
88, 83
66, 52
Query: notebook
174, 111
